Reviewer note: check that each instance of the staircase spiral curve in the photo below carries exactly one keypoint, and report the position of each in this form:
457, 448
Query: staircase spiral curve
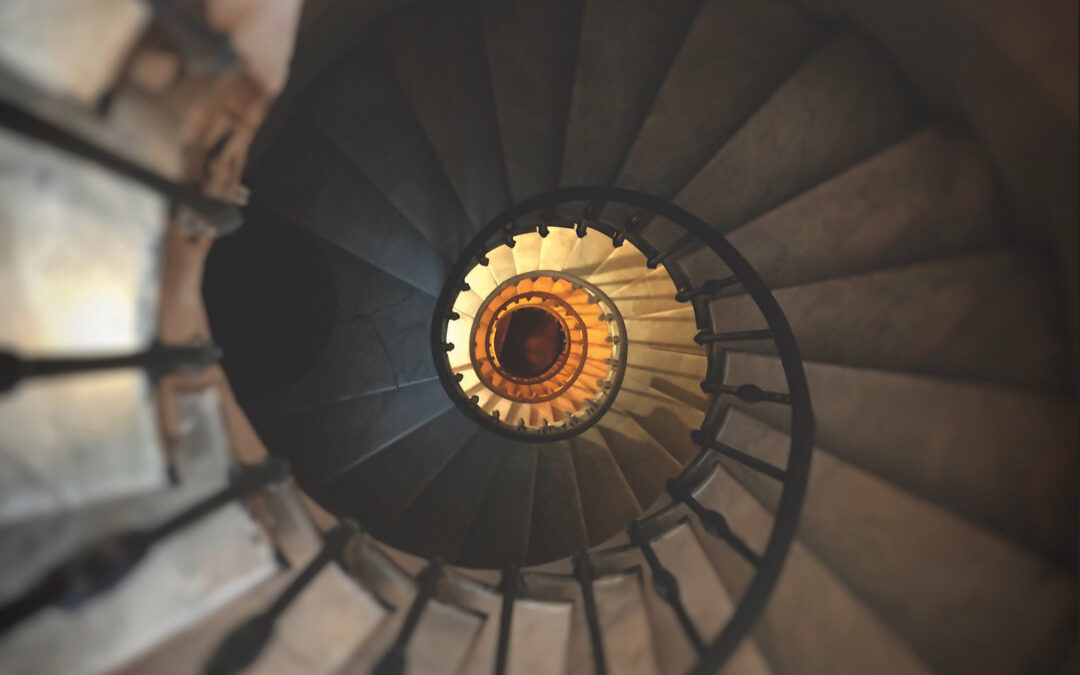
576, 336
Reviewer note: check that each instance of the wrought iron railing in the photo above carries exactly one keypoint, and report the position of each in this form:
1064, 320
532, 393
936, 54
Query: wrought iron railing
665, 233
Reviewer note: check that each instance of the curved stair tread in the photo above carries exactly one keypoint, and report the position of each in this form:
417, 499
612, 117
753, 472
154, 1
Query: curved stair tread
641, 459
539, 637
589, 252
361, 288
607, 501
527, 252
986, 316
708, 603
623, 53
377, 490
501, 264
842, 105
563, 588
622, 266
676, 374
1017, 608
321, 442
436, 52
459, 590
438, 520
558, 522
813, 622
556, 249
499, 534
357, 105
671, 330
218, 559
666, 419
308, 181
717, 80
531, 48
927, 196
649, 294
353, 363
1010, 465
624, 623
199, 458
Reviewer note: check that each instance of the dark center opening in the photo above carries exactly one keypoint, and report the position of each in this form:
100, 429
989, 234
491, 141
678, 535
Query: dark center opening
528, 341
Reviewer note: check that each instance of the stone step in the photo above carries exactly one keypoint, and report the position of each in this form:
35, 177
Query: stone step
607, 500
624, 51
378, 490
667, 420
644, 463
499, 534
438, 520
718, 79
199, 458
843, 104
624, 623
558, 523
531, 49
930, 195
322, 442
79, 277
436, 52
933, 318
813, 623
1001, 456
185, 579
306, 179
928, 565
358, 105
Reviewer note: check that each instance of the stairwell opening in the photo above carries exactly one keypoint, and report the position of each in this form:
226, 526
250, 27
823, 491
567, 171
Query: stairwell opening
529, 341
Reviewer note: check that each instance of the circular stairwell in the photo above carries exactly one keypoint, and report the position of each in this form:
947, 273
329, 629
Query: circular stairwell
878, 227
715, 181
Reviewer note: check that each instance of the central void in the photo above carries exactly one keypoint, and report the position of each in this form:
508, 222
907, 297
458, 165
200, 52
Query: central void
528, 341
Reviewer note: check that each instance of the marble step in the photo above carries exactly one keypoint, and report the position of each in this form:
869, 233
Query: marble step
184, 579
378, 490
558, 523
843, 104
607, 500
324, 441
813, 622
927, 196
357, 104
436, 53
988, 316
500, 533
531, 48
79, 277
928, 565
437, 522
1001, 456
642, 460
623, 53
306, 179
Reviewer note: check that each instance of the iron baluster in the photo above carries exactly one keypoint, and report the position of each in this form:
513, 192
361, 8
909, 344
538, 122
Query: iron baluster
393, 662
510, 585
583, 570
705, 337
244, 644
666, 586
103, 565
748, 393
700, 437
156, 360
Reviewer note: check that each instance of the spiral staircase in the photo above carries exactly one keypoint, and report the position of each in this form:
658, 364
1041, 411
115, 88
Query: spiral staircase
577, 336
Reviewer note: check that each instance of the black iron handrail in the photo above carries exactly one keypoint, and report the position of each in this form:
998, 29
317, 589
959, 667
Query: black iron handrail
502, 229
